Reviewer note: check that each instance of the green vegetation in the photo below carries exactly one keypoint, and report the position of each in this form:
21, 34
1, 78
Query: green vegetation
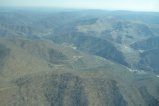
79, 58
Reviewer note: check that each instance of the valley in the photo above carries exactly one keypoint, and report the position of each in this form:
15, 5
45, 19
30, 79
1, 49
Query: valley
78, 58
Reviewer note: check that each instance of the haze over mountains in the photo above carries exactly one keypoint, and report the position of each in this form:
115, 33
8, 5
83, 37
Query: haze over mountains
78, 58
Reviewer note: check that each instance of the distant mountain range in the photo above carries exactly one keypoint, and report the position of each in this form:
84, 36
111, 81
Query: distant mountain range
79, 58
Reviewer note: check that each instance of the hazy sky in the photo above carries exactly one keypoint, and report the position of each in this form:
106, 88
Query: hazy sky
137, 5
